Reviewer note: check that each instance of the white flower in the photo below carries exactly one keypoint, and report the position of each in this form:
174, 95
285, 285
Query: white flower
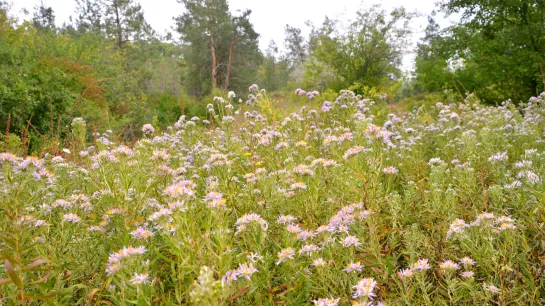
326, 302
139, 279
421, 265
353, 267
148, 129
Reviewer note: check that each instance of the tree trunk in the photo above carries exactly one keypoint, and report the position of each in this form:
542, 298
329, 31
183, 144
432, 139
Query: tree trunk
118, 25
231, 47
214, 61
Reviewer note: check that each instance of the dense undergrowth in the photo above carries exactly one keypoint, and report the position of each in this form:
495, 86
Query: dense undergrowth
345, 203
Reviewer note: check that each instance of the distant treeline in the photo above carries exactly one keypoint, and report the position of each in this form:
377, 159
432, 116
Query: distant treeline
111, 67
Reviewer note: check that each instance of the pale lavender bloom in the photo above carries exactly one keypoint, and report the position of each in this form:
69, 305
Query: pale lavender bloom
436, 161
421, 265
353, 267
319, 262
57, 159
246, 270
294, 228
350, 240
309, 249
491, 288
254, 257
285, 254
304, 235
148, 129
364, 288
405, 273
458, 226
353, 151
498, 157
243, 221
298, 185
71, 218
466, 261
390, 170
286, 219
230, 276
448, 265
39, 223
327, 302
139, 279
141, 234
253, 88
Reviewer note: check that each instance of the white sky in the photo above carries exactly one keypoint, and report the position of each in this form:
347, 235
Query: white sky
268, 16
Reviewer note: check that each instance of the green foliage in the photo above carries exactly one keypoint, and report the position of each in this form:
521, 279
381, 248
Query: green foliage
368, 52
12, 144
274, 72
496, 50
221, 49
50, 76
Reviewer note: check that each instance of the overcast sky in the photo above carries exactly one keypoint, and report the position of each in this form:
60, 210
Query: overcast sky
268, 16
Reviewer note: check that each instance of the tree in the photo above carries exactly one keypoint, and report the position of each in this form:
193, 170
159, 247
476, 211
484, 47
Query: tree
44, 18
431, 67
217, 42
90, 16
274, 72
369, 52
243, 35
124, 20
502, 46
296, 48
204, 19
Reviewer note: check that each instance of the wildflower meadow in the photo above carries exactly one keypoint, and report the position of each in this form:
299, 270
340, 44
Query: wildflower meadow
343, 202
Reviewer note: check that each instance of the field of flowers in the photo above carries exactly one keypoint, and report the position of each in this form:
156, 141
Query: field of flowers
350, 202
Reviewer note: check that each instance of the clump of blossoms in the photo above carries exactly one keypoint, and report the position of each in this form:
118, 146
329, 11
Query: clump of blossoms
148, 129
286, 219
177, 192
139, 279
115, 259
327, 302
485, 220
421, 265
245, 270
353, 151
350, 241
491, 288
214, 200
390, 170
498, 157
364, 289
285, 254
73, 218
353, 267
141, 234
449, 267
181, 189
247, 219
253, 88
